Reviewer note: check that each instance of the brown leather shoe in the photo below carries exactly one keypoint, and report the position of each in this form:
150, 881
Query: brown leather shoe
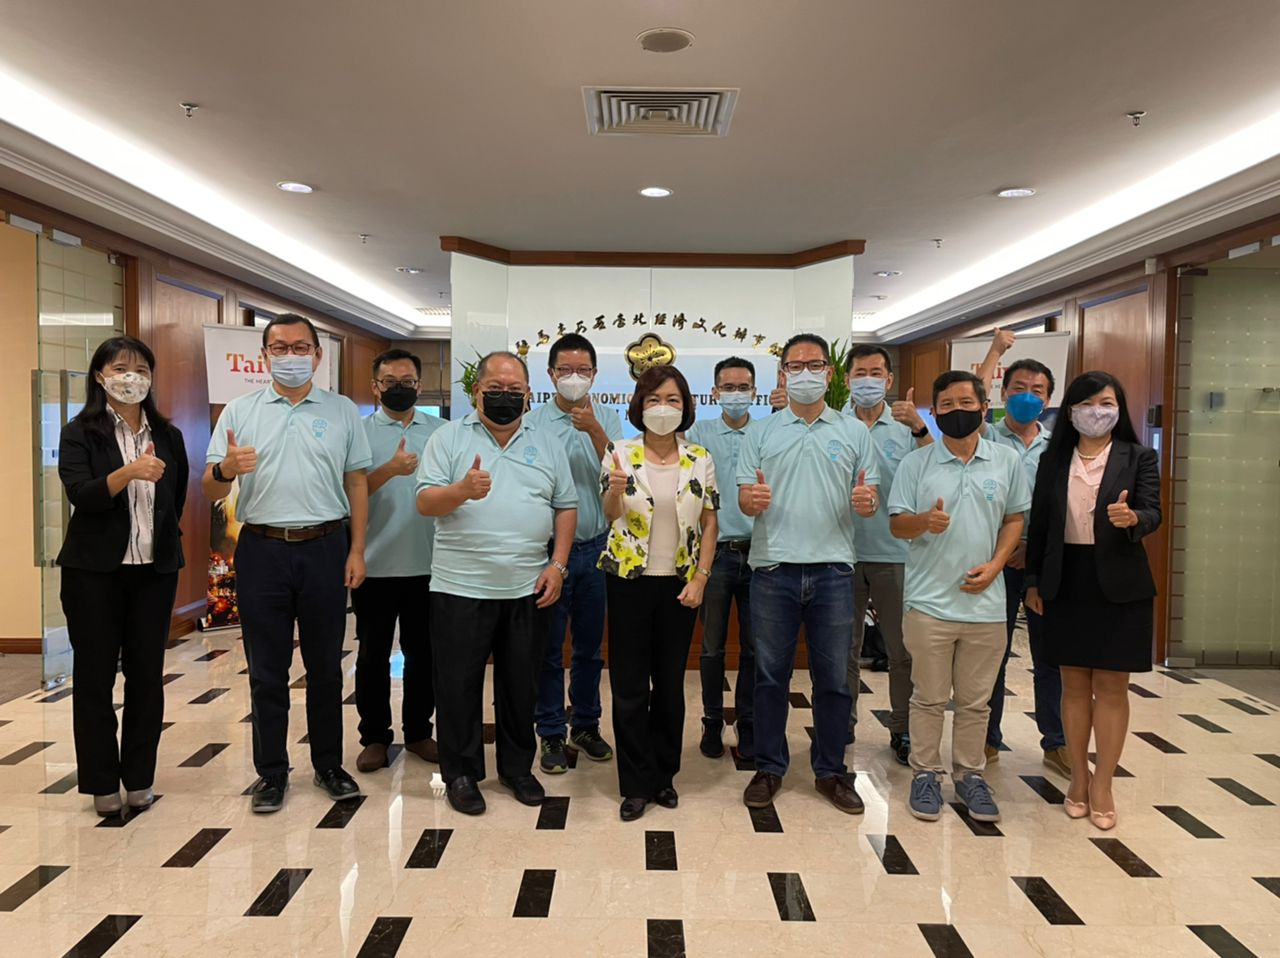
759, 794
425, 750
839, 791
372, 757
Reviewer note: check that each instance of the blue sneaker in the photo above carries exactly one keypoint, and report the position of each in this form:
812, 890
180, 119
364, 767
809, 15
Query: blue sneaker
974, 791
926, 796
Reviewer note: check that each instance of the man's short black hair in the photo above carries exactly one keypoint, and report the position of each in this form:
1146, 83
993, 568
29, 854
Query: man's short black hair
953, 376
734, 362
484, 361
813, 338
290, 319
393, 355
863, 350
1030, 366
570, 341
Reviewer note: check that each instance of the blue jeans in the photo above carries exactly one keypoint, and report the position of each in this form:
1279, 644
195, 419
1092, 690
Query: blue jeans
1046, 679
819, 597
730, 581
580, 608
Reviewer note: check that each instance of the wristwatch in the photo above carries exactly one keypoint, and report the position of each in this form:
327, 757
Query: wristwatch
563, 569
921, 432
703, 572
217, 473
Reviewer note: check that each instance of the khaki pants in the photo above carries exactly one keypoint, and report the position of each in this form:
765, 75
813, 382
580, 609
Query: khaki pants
951, 660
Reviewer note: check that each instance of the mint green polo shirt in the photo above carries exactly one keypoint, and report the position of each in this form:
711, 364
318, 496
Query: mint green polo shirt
1000, 432
399, 538
584, 464
892, 442
977, 495
303, 453
811, 469
495, 547
725, 443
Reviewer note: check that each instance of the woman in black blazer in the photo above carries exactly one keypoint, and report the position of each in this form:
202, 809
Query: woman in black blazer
1097, 495
124, 468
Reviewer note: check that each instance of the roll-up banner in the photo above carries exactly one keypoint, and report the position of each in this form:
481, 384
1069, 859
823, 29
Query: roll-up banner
1048, 348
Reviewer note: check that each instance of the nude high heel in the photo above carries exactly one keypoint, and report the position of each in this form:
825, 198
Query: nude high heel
1075, 809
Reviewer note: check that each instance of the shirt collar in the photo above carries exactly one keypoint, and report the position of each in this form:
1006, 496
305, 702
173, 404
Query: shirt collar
316, 395
473, 419
382, 419
119, 420
827, 415
1042, 434
946, 455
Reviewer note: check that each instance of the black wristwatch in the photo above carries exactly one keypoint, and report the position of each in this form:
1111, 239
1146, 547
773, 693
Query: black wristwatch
923, 431
217, 473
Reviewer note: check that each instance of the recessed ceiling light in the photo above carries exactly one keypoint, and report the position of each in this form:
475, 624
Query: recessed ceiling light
886, 273
291, 186
655, 192
1016, 193
411, 270
665, 40
880, 296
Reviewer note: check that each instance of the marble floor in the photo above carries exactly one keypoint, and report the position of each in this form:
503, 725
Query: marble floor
1193, 867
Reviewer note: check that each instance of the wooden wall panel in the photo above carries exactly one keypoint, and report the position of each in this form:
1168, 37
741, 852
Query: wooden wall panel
1116, 337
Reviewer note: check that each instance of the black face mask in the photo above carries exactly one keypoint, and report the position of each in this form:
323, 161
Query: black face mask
399, 398
959, 423
503, 408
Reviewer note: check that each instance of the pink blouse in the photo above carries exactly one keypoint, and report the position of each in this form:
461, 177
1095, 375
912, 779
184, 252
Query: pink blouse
1082, 496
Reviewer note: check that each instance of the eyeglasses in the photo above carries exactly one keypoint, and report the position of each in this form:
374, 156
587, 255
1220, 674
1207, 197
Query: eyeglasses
584, 371
512, 394
284, 349
409, 382
813, 365
736, 388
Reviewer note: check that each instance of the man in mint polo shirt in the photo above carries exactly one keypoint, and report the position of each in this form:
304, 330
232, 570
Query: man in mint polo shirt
1028, 387
398, 569
960, 504
584, 427
300, 454
802, 474
500, 489
730, 582
896, 430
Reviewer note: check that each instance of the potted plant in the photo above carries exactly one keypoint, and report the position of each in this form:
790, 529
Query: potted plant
468, 378
838, 389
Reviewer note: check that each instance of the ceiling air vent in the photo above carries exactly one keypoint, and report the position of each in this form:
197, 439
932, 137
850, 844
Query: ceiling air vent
643, 111
436, 312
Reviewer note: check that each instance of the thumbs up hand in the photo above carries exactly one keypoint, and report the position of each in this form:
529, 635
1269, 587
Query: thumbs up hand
147, 466
476, 483
937, 520
759, 495
1121, 516
864, 497
617, 478
402, 463
239, 460
905, 412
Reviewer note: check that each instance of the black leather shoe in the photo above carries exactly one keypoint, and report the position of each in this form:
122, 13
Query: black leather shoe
527, 789
667, 797
712, 746
338, 784
632, 808
464, 796
268, 794
759, 793
840, 792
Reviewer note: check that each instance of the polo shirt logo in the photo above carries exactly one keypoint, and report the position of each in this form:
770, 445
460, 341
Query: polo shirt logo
989, 488
891, 449
530, 455
833, 450
319, 427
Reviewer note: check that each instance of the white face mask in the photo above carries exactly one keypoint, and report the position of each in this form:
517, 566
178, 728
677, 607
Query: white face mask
573, 387
662, 420
129, 388
806, 387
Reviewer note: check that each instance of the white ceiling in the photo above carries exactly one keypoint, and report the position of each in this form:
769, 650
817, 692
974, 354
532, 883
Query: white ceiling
889, 122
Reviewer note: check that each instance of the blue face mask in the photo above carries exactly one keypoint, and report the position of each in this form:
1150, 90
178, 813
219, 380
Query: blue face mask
292, 371
1023, 407
867, 391
735, 405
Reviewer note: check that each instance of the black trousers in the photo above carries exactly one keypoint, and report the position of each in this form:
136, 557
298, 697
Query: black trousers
379, 604
649, 636
464, 632
279, 584
117, 617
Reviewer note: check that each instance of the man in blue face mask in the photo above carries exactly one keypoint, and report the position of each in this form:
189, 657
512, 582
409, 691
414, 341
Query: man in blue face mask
300, 455
1027, 389
730, 582
896, 430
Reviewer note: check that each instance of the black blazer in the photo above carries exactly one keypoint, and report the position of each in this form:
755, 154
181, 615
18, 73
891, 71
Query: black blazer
1123, 571
100, 523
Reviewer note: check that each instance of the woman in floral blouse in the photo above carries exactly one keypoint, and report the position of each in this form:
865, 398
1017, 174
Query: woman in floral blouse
660, 499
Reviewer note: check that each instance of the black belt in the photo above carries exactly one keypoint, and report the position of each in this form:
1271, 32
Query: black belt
302, 534
734, 545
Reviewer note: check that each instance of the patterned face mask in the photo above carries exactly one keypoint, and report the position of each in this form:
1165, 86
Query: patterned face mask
129, 388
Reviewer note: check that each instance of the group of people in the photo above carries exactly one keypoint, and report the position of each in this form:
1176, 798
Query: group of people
506, 533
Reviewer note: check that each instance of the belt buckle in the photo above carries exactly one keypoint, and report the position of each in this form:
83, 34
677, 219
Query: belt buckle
287, 530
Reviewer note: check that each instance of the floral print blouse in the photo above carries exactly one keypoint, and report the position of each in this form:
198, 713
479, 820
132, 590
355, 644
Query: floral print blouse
626, 552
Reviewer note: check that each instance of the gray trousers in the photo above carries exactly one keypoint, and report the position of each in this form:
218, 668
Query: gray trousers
881, 582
